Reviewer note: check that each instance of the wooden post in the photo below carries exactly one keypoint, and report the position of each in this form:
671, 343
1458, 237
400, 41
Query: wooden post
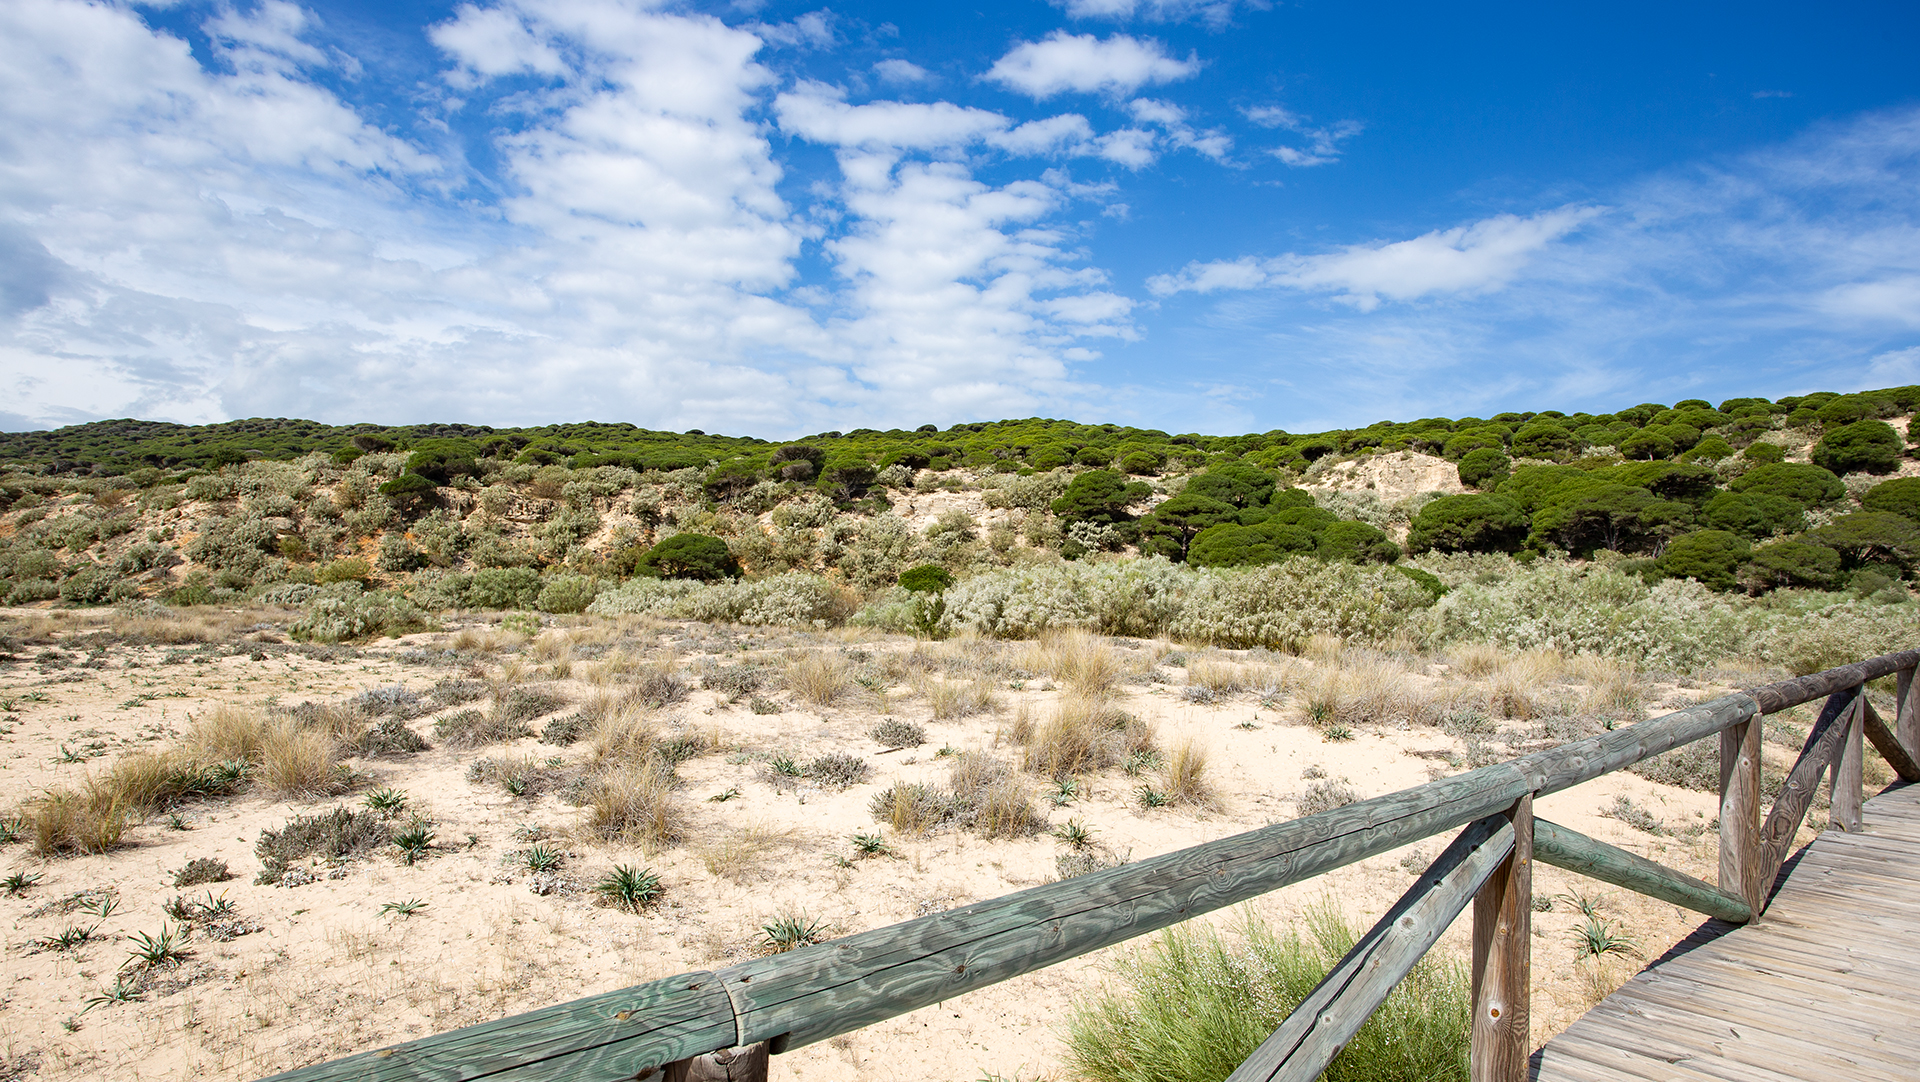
1845, 813
1906, 713
1502, 959
1740, 872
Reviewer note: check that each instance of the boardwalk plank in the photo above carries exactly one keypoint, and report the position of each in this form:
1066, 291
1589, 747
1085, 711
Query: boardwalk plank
1825, 986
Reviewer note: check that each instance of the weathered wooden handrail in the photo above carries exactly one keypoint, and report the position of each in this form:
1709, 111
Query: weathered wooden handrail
797, 998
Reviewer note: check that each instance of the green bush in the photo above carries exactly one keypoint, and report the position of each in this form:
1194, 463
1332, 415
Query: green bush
1754, 514
1864, 446
503, 588
1100, 496
689, 556
1192, 1004
1900, 496
1807, 485
1647, 444
1764, 453
1870, 537
1357, 542
1708, 556
567, 593
926, 578
1791, 563
1617, 517
1468, 523
346, 569
1710, 449
1484, 468
1544, 439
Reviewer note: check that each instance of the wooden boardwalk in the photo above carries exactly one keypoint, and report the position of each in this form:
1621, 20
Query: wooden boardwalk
1825, 986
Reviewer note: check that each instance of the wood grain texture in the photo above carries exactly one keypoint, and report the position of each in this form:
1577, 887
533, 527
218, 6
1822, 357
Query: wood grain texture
1563, 848
1887, 742
1906, 716
1847, 765
1503, 960
1740, 851
1790, 806
1335, 1010
1785, 693
612, 1035
1822, 989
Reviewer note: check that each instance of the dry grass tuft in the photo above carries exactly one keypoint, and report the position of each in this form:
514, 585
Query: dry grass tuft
300, 761
957, 698
633, 802
741, 855
626, 734
1222, 677
1186, 776
911, 807
1080, 660
227, 732
64, 821
1374, 690
1613, 687
990, 799
818, 677
1082, 734
1475, 659
1323, 649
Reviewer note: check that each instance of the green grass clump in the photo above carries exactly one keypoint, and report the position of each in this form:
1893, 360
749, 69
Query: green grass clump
1193, 1003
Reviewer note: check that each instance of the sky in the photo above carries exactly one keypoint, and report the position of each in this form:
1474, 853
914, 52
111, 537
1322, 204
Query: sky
772, 219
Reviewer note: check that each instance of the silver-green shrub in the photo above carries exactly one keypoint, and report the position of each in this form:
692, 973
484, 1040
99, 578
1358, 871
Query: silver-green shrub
1120, 597
644, 597
567, 593
1281, 605
334, 619
1678, 625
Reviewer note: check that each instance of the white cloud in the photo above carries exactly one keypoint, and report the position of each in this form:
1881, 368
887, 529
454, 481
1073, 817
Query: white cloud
1213, 12
190, 243
1131, 147
1483, 256
813, 30
1068, 131
492, 42
899, 71
1085, 64
1893, 300
1323, 143
1172, 119
817, 112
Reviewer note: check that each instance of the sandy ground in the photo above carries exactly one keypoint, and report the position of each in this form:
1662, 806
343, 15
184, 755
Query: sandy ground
322, 972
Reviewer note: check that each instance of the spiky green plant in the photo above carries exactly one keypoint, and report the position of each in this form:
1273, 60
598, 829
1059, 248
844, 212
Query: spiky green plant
402, 909
785, 933
629, 888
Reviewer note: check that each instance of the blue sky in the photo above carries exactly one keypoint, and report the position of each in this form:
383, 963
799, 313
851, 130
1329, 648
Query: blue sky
780, 218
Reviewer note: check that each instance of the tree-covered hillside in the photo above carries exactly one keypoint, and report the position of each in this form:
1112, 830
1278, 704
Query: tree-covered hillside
370, 523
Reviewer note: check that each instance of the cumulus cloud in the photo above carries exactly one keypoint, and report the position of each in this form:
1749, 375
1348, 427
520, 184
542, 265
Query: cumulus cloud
819, 112
194, 241
1084, 64
1473, 258
900, 71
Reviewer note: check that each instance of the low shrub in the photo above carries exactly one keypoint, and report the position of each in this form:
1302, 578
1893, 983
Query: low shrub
912, 807
336, 834
472, 729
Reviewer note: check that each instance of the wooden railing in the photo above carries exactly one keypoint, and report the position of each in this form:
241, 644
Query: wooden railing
672, 1028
